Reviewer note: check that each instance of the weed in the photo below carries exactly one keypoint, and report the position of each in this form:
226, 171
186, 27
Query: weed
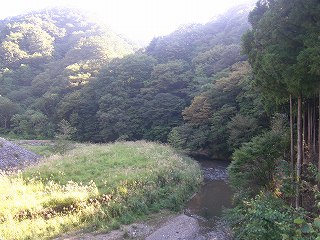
94, 187
43, 150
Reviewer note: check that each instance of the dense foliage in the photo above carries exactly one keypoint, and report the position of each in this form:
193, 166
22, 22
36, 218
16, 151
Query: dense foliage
225, 115
262, 217
141, 96
254, 165
44, 56
277, 186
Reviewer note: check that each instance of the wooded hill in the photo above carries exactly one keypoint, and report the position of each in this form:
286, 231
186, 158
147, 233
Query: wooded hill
44, 56
56, 65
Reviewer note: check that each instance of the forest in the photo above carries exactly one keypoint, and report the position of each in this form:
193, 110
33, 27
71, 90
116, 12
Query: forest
64, 68
243, 87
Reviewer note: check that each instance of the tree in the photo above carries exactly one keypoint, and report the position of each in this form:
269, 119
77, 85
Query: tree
7, 110
65, 132
31, 124
162, 114
254, 164
172, 77
216, 59
222, 117
241, 130
276, 46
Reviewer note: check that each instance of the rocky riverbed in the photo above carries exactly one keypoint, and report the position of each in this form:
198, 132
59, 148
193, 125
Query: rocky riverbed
162, 226
14, 157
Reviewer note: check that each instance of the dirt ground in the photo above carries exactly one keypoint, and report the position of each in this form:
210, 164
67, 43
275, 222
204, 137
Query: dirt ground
162, 226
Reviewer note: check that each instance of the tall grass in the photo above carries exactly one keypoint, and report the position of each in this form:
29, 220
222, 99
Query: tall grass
94, 187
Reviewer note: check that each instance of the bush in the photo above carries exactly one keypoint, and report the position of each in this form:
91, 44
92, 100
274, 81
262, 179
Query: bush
254, 165
65, 131
264, 217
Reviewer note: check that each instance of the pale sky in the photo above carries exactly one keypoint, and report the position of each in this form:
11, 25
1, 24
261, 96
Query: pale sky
139, 20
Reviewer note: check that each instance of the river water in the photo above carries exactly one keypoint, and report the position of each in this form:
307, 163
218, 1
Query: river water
213, 197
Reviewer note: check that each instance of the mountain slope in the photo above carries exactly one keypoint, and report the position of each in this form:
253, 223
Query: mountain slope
190, 40
45, 55
56, 48
140, 96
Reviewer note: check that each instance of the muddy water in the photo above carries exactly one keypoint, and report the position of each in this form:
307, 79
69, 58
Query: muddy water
214, 196
211, 200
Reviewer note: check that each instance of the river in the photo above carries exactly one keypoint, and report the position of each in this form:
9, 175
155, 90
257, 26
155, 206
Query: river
213, 197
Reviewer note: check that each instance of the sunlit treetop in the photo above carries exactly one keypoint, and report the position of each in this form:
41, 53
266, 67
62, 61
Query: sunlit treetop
140, 20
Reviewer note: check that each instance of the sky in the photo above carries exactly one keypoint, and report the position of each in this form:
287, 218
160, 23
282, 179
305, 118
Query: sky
138, 20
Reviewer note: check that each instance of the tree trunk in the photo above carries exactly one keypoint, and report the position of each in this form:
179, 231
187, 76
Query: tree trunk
291, 138
314, 124
309, 127
319, 135
299, 151
303, 132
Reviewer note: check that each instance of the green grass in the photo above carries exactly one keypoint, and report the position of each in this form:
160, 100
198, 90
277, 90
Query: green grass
94, 187
43, 150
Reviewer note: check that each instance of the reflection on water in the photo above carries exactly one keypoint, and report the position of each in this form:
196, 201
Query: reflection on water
212, 198
215, 195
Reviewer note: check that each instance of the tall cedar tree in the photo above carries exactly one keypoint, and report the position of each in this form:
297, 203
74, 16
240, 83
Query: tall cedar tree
282, 47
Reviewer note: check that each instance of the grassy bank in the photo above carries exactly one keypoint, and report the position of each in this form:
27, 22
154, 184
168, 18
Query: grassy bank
94, 187
43, 150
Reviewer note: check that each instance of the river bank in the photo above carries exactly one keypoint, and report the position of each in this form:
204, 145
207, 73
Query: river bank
94, 187
201, 219
164, 225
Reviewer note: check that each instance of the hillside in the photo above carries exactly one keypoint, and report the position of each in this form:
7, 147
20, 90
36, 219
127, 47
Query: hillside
65, 78
46, 54
78, 73
190, 42
142, 96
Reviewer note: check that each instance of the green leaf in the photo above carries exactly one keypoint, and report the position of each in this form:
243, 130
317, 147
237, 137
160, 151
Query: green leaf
318, 176
318, 238
306, 228
316, 223
285, 237
298, 221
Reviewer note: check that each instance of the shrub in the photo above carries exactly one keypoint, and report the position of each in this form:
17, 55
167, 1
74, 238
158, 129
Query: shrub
264, 217
65, 131
254, 164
